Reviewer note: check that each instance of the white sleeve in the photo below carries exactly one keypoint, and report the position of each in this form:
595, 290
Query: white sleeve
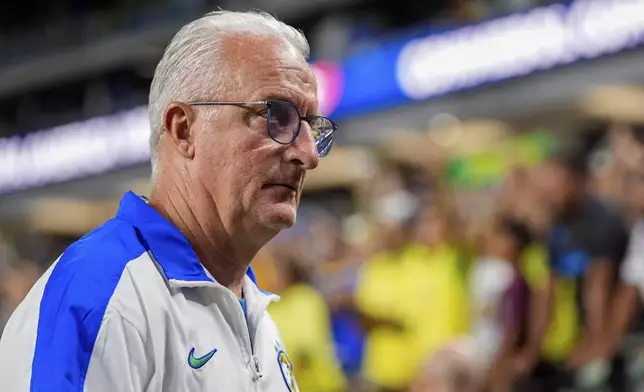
120, 360
632, 270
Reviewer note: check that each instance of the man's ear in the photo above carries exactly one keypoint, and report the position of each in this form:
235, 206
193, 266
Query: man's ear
178, 119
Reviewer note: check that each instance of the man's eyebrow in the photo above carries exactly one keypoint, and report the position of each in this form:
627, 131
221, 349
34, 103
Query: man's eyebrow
300, 104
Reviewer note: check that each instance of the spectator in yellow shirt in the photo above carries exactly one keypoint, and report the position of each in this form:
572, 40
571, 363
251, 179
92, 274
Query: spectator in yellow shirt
307, 338
382, 302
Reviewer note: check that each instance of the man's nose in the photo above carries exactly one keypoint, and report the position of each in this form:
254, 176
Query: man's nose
303, 151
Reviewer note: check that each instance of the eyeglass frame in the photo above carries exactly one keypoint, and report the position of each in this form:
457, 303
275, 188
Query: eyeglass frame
308, 119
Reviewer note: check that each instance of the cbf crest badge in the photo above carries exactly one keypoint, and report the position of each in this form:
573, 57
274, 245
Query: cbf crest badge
286, 368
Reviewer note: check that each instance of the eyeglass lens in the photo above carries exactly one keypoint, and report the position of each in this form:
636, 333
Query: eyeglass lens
284, 123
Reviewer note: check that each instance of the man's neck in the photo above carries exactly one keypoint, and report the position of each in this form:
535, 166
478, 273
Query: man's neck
197, 219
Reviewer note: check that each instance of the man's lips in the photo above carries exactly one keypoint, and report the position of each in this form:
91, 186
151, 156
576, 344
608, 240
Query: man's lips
291, 187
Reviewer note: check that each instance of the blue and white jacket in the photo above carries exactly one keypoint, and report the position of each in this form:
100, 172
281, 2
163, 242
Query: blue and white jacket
129, 307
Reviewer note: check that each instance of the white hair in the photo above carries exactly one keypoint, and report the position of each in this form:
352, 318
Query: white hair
192, 68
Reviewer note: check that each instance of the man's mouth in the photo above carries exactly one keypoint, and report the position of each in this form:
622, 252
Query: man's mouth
288, 186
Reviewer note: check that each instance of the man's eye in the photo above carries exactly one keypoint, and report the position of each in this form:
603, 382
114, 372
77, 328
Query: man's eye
257, 111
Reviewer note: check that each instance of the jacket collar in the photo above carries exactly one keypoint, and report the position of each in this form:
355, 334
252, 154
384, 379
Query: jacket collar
166, 244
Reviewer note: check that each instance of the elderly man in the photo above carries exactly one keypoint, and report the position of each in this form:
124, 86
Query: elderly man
161, 297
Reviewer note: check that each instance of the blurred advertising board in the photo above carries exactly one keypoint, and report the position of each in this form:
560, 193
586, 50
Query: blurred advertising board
397, 72
401, 72
74, 150
487, 168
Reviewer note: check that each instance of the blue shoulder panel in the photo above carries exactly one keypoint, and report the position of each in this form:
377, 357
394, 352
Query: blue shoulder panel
74, 302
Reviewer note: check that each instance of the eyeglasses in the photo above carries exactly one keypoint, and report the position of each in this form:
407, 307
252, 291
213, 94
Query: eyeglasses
284, 122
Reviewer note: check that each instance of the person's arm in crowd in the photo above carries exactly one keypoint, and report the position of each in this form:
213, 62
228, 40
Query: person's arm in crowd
625, 303
539, 315
623, 310
370, 322
597, 290
371, 312
501, 375
599, 286
606, 249
542, 281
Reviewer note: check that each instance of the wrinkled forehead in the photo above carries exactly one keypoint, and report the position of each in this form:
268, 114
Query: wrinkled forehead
266, 67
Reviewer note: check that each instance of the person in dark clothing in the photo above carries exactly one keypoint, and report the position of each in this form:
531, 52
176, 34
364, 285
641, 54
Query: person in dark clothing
626, 303
586, 244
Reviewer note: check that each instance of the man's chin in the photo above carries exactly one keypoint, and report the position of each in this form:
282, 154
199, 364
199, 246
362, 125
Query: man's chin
279, 216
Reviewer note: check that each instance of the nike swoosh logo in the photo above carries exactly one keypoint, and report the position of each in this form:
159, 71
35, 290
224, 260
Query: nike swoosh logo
198, 363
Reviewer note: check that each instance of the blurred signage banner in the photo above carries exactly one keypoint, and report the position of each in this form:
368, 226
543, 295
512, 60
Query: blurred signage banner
395, 73
74, 150
518, 45
402, 72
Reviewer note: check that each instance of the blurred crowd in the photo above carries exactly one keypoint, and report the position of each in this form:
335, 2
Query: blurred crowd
521, 286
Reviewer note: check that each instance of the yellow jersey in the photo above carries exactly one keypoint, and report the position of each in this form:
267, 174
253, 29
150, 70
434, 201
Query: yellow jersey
302, 317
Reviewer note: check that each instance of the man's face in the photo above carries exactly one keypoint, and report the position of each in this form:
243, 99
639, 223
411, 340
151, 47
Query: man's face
252, 179
555, 185
432, 229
